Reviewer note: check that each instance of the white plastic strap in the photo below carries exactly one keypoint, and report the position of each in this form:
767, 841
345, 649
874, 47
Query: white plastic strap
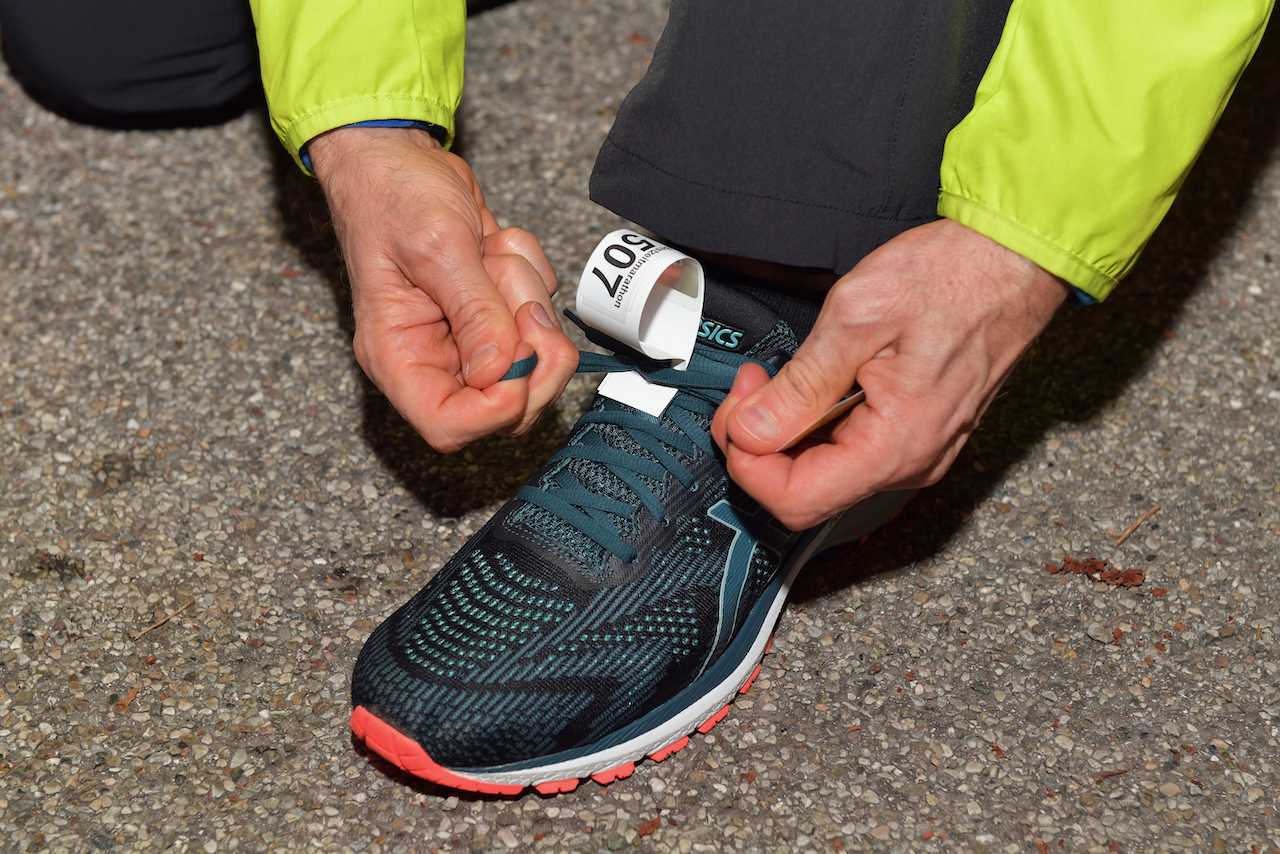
645, 294
649, 297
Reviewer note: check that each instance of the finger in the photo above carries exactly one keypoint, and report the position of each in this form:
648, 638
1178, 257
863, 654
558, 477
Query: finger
821, 372
428, 392
450, 415
750, 378
557, 361
893, 443
805, 488
517, 241
518, 282
480, 320
488, 223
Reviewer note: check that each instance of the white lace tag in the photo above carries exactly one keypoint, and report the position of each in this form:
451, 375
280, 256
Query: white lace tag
637, 392
645, 294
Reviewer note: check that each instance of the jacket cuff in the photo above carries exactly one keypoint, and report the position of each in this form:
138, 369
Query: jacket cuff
438, 132
366, 108
1011, 234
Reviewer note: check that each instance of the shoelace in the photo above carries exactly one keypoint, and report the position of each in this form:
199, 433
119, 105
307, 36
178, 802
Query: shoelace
702, 388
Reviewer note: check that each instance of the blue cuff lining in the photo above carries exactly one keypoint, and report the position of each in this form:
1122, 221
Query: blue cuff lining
435, 130
1079, 297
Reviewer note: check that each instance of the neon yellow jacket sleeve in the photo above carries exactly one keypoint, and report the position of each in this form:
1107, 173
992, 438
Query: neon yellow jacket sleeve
1086, 123
329, 63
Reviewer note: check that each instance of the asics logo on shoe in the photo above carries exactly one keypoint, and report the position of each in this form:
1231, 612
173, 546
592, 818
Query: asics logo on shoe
748, 531
724, 337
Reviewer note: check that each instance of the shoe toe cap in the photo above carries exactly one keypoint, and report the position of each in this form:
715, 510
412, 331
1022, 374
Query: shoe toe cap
461, 721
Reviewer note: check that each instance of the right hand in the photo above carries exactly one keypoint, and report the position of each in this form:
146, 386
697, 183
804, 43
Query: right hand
444, 300
929, 325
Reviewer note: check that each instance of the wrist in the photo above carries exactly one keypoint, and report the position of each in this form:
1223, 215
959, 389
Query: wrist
331, 149
1021, 278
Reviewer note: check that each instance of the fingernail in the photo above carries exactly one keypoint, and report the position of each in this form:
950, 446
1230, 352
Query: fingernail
758, 423
480, 358
540, 314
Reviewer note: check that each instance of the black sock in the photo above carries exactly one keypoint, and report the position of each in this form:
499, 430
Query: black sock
797, 306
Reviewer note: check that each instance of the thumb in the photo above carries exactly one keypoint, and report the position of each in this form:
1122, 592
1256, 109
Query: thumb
775, 413
480, 321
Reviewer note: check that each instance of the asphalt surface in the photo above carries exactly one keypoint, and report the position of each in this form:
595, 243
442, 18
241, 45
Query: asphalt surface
183, 428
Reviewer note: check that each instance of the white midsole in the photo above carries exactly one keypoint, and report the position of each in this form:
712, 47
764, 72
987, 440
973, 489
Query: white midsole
672, 729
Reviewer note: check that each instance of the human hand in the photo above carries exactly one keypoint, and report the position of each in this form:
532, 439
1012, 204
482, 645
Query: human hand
444, 300
930, 325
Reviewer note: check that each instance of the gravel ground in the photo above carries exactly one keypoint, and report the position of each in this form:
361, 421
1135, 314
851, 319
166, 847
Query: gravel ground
183, 428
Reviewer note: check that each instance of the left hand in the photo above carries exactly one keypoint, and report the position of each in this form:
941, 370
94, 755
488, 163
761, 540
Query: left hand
444, 301
930, 325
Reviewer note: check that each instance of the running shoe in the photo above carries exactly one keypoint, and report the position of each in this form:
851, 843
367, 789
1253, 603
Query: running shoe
616, 605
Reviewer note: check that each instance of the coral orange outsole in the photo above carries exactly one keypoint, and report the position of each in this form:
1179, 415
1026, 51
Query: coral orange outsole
746, 686
674, 747
604, 778
713, 720
557, 787
405, 753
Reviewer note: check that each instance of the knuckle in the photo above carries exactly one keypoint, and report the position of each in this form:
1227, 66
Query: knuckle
471, 313
850, 302
523, 243
361, 347
439, 436
802, 385
449, 439
842, 298
500, 267
521, 427
566, 354
518, 238
445, 444
437, 238
433, 238
369, 356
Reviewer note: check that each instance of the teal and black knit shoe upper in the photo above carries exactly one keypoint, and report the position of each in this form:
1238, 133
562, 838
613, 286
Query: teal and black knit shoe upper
613, 606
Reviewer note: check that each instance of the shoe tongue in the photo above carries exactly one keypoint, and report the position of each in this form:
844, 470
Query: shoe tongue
733, 320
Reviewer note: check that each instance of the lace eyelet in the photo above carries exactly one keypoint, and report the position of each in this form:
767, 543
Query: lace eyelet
694, 487
666, 523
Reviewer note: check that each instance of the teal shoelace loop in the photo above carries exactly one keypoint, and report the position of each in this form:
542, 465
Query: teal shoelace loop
702, 388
